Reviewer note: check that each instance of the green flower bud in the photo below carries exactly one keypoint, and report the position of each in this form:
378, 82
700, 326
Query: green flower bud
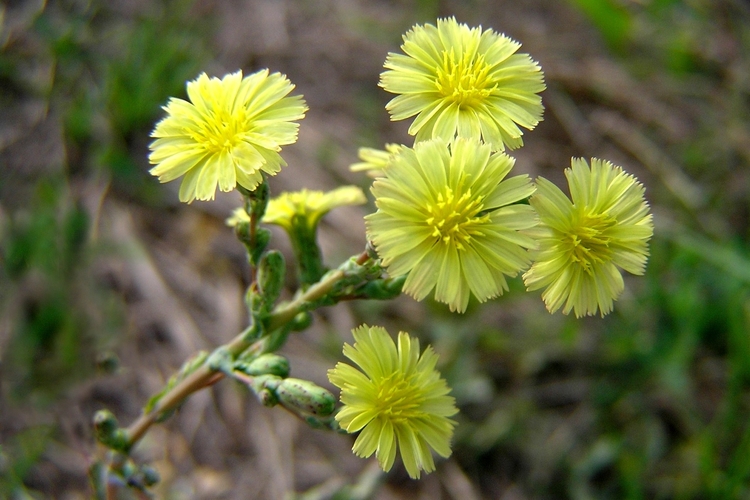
384, 289
301, 321
267, 398
242, 230
108, 431
306, 249
266, 364
105, 423
262, 237
265, 386
253, 299
258, 200
305, 397
271, 272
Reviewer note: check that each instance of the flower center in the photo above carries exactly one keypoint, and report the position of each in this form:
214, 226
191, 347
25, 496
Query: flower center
464, 79
587, 241
398, 398
220, 130
453, 219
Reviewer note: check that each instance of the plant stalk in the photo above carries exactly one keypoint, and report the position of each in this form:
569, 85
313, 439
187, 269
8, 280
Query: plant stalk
205, 375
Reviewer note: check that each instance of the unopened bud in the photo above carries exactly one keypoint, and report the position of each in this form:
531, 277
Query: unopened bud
305, 397
301, 321
267, 398
384, 289
267, 364
242, 231
264, 386
105, 423
262, 237
271, 272
108, 431
258, 199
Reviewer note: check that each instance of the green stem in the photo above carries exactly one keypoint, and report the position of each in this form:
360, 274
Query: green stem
286, 312
205, 375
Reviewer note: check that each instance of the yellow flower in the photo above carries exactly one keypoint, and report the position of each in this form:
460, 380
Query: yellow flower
448, 217
299, 213
397, 400
231, 130
374, 161
312, 205
583, 243
464, 82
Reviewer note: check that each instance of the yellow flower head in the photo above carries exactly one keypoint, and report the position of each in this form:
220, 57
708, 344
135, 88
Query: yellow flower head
464, 82
231, 130
583, 243
448, 217
374, 161
312, 205
398, 400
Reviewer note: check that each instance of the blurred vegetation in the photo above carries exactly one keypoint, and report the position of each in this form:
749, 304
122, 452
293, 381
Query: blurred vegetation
44, 253
652, 401
99, 76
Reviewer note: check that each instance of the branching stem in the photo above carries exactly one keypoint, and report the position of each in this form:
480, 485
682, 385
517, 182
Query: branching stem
205, 375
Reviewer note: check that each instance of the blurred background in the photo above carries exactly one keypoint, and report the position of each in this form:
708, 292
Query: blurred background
107, 283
